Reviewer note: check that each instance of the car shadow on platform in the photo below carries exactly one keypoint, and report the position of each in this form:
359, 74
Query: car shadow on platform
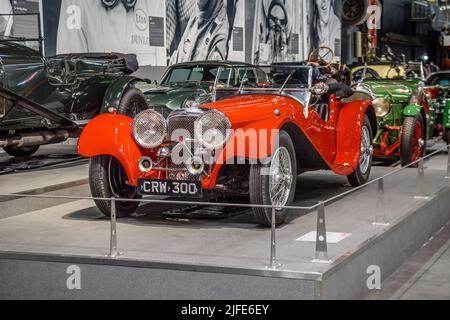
311, 188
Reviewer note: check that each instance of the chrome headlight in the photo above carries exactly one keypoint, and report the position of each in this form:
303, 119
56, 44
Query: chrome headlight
190, 103
212, 129
382, 106
149, 129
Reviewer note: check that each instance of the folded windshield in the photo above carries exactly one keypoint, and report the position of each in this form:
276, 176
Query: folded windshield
222, 76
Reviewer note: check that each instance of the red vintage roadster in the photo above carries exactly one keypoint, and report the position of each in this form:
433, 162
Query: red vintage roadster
251, 140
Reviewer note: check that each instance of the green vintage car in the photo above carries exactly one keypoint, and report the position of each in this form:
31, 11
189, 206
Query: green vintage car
189, 83
406, 116
437, 86
48, 100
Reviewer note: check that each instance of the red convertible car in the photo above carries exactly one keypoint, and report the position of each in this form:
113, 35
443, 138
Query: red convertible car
252, 140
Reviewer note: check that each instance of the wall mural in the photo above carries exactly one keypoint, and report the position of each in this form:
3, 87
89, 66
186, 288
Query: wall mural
24, 26
166, 32
201, 29
6, 22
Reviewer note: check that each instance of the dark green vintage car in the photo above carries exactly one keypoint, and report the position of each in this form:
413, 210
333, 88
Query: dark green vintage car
437, 86
406, 116
190, 83
48, 100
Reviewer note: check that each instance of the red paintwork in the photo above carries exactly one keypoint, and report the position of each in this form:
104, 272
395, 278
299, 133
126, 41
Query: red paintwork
110, 134
385, 149
432, 92
338, 140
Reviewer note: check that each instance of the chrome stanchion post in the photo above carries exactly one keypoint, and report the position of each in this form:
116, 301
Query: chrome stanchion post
321, 237
420, 185
448, 164
380, 215
273, 244
113, 252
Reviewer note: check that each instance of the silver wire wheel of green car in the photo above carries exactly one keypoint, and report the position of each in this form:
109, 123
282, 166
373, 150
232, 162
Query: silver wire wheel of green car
274, 183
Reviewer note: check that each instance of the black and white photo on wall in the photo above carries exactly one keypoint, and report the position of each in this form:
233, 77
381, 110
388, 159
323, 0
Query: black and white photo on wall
200, 29
161, 33
20, 19
125, 26
288, 30
326, 24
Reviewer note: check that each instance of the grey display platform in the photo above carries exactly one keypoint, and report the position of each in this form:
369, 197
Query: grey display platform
224, 258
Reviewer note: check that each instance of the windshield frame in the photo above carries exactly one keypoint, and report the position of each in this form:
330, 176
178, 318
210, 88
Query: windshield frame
220, 67
282, 90
404, 68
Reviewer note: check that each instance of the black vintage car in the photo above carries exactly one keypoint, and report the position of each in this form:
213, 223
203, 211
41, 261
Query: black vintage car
48, 100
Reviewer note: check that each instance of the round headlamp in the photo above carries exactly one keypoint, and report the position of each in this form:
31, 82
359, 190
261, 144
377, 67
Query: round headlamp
382, 106
190, 103
149, 129
212, 129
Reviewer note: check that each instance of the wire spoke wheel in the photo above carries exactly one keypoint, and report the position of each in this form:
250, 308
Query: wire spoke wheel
413, 141
274, 183
362, 173
280, 177
366, 150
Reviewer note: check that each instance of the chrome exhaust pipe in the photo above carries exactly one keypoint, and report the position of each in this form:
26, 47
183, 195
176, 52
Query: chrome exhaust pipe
34, 138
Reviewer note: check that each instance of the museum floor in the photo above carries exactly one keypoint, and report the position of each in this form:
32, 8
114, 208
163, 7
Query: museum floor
224, 245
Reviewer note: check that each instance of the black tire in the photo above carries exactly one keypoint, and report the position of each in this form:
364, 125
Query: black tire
21, 152
132, 103
354, 18
407, 143
259, 186
359, 177
107, 179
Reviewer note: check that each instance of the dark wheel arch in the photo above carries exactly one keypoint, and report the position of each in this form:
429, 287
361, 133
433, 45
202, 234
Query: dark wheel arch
116, 90
307, 155
132, 103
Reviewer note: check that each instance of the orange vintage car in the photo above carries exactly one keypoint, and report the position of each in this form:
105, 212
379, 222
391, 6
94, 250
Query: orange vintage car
252, 140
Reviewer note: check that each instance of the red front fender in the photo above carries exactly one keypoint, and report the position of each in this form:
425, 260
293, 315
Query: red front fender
110, 134
349, 126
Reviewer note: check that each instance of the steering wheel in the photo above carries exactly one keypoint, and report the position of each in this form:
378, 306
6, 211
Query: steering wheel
322, 55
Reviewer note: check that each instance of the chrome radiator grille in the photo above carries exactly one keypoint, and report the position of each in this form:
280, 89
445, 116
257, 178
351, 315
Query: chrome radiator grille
185, 122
